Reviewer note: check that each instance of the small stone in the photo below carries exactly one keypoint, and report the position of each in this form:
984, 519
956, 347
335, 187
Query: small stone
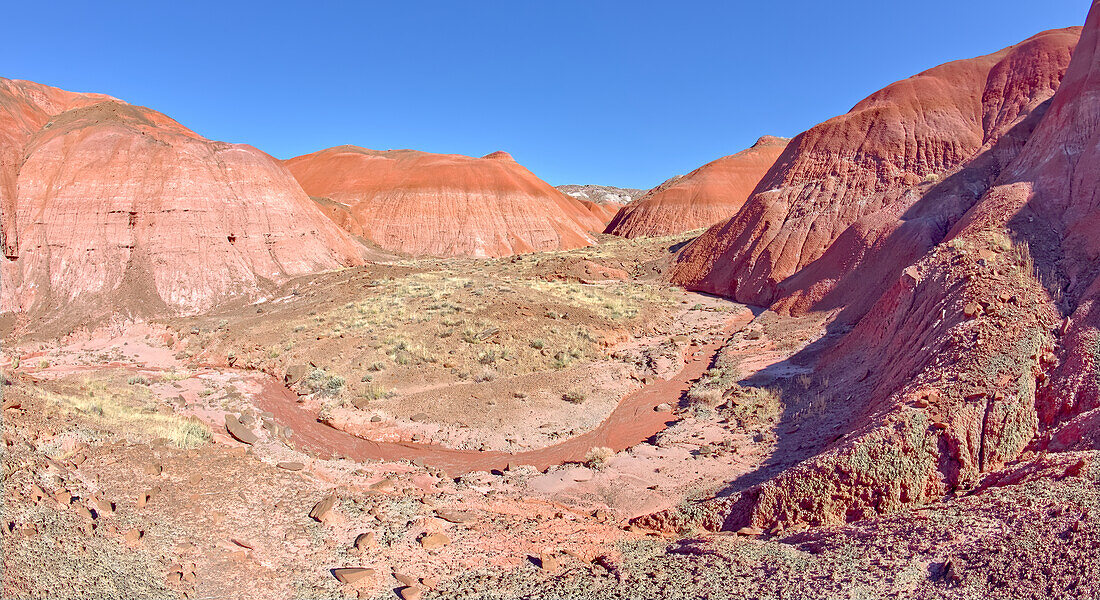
363, 541
456, 516
291, 466
549, 563
971, 310
375, 419
411, 592
429, 582
352, 574
405, 580
103, 505
323, 509
750, 531
663, 407
384, 485
433, 541
239, 431
134, 536
419, 417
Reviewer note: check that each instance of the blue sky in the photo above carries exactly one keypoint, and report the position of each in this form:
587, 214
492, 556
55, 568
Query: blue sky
617, 93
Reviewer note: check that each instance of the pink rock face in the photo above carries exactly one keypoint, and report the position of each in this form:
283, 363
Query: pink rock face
711, 193
865, 162
119, 208
445, 204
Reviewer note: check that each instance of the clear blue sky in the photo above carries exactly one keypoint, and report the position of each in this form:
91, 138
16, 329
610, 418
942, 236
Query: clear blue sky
618, 93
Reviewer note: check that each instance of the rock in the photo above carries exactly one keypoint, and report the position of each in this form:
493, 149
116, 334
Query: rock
549, 563
663, 407
322, 511
144, 498
411, 592
750, 531
434, 541
385, 485
707, 195
134, 536
365, 541
290, 465
419, 417
420, 203
103, 506
430, 583
239, 431
971, 310
456, 516
352, 575
296, 373
92, 181
405, 580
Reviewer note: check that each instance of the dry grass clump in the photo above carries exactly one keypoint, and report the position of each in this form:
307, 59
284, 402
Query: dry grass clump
129, 409
321, 382
598, 457
574, 397
710, 397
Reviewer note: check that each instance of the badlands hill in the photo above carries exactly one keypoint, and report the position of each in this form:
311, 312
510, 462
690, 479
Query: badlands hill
445, 204
837, 180
111, 206
945, 217
711, 193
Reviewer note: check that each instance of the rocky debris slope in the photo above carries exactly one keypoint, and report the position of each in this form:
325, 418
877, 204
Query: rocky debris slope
836, 184
445, 204
115, 207
968, 344
707, 195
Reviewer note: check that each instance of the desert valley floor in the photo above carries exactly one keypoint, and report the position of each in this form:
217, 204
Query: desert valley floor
859, 362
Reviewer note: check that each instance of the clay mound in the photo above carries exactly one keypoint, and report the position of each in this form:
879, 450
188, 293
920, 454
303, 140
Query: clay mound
711, 193
118, 208
829, 178
445, 204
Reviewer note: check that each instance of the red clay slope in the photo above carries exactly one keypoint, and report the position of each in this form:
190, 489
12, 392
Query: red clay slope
707, 195
446, 204
961, 360
857, 164
120, 208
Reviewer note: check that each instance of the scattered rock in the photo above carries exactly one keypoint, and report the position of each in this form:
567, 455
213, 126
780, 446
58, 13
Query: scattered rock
456, 516
364, 541
322, 511
549, 562
433, 541
352, 574
239, 431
